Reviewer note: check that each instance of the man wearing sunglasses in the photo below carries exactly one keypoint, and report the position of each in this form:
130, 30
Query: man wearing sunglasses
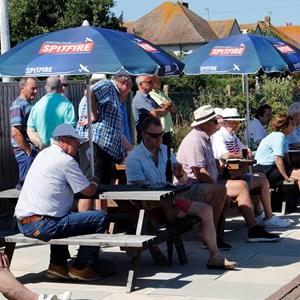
144, 106
147, 164
196, 155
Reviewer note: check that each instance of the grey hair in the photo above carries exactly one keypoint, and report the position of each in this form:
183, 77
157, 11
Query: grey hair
294, 108
24, 81
53, 84
139, 79
121, 78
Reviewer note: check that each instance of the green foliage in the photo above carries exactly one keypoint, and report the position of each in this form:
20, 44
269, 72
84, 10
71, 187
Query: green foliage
29, 18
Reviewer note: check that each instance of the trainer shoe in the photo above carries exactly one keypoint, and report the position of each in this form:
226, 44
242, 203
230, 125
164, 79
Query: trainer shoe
61, 296
276, 222
221, 263
222, 246
57, 272
259, 234
260, 218
86, 274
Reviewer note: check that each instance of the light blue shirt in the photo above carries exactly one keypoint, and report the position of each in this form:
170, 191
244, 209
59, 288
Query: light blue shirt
294, 137
140, 165
273, 144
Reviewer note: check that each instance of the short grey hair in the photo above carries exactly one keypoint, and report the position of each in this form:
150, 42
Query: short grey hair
121, 78
139, 79
24, 81
294, 108
53, 84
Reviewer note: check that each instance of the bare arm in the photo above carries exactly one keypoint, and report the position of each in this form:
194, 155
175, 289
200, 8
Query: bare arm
126, 143
280, 165
159, 112
202, 175
35, 138
92, 189
20, 140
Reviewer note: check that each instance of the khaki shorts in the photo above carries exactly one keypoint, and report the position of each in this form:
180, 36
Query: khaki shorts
195, 193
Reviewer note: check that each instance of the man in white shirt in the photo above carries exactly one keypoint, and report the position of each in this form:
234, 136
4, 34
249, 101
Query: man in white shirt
44, 207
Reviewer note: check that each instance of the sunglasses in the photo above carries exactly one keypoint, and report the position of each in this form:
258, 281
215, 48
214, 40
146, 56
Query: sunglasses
65, 84
154, 135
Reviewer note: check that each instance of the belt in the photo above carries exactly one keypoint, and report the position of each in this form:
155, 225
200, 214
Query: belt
30, 219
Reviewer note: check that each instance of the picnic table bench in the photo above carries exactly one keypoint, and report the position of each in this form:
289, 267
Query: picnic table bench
133, 244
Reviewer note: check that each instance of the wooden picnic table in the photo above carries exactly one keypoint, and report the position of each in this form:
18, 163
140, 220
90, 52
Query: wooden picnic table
138, 202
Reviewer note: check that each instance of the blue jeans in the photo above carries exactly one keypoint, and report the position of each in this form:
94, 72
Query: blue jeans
70, 225
24, 163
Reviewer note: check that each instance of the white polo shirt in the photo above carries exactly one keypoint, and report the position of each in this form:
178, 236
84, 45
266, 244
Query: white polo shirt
50, 184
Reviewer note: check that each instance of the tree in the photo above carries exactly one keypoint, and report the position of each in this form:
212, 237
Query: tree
29, 18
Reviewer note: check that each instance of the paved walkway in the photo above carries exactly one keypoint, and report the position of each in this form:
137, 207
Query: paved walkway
264, 268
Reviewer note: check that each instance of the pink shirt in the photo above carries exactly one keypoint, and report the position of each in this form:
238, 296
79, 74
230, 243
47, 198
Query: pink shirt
196, 151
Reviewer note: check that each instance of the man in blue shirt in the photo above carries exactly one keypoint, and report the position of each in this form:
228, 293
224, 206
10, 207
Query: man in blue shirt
24, 150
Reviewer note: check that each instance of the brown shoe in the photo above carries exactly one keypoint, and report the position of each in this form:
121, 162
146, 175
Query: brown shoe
221, 263
86, 274
57, 272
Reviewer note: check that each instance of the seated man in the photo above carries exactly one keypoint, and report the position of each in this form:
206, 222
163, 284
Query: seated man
294, 138
226, 145
196, 155
147, 164
256, 130
44, 207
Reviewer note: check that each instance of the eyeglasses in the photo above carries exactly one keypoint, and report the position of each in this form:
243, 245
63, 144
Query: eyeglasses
215, 121
148, 82
65, 84
154, 135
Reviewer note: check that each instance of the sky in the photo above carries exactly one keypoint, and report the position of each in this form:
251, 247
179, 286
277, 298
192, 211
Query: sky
281, 12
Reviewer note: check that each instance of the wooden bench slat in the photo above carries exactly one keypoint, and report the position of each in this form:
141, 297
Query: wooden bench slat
112, 240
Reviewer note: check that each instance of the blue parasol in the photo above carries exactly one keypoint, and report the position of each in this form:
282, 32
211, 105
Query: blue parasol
86, 50
243, 54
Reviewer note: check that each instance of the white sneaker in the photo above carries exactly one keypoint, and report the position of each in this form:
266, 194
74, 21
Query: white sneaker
276, 222
61, 296
260, 218
64, 296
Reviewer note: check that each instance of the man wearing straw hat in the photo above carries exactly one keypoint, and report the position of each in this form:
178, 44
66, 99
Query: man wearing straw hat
196, 155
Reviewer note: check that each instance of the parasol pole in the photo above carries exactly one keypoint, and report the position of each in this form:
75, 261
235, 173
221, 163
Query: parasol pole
90, 125
246, 92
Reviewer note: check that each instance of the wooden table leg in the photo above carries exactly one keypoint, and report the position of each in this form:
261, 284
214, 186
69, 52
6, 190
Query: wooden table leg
135, 255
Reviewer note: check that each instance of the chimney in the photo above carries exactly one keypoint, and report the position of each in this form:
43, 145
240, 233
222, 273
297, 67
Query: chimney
268, 20
184, 4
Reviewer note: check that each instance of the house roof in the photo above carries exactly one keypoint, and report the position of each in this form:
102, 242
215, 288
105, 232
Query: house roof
222, 28
292, 31
173, 23
261, 26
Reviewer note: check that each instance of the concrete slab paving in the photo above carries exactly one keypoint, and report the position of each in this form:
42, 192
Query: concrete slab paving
263, 269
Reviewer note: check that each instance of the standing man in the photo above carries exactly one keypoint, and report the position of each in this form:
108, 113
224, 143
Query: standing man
162, 99
50, 111
144, 106
196, 155
262, 117
44, 207
24, 150
108, 136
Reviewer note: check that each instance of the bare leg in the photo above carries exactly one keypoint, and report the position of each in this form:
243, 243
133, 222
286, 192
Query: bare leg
239, 189
85, 204
215, 196
261, 182
296, 176
10, 287
207, 227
